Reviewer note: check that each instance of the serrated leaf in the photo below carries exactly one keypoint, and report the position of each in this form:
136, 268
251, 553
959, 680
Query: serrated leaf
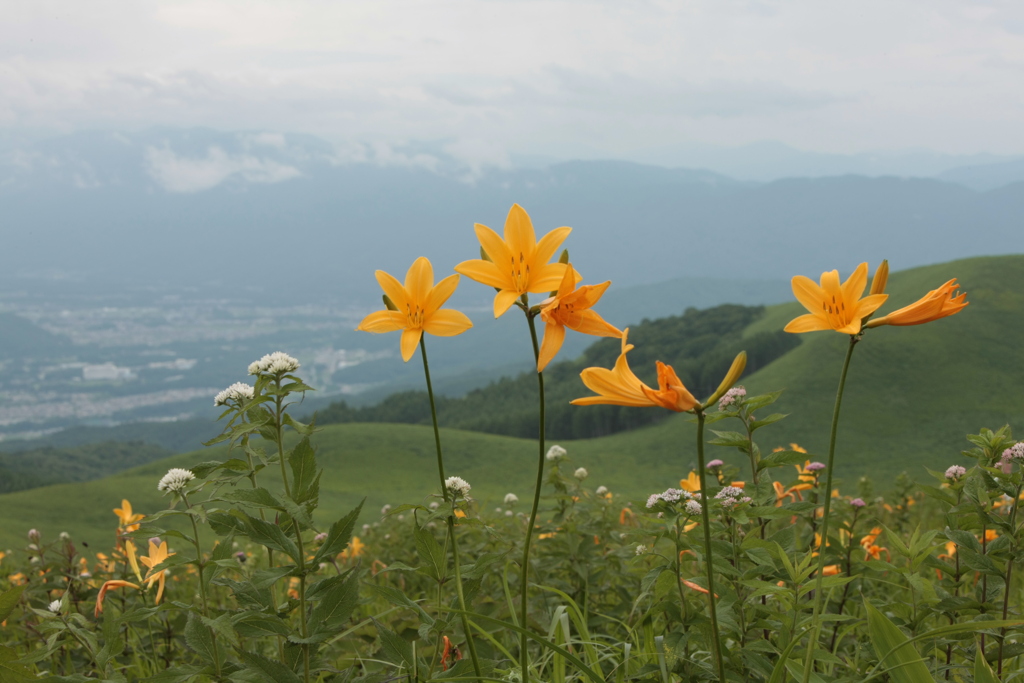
435, 563
338, 536
982, 671
781, 458
774, 417
258, 625
394, 648
10, 670
302, 460
336, 606
198, 637
269, 535
179, 674
259, 497
269, 670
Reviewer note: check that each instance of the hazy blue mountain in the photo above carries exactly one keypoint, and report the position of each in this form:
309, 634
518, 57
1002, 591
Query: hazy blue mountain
986, 176
297, 219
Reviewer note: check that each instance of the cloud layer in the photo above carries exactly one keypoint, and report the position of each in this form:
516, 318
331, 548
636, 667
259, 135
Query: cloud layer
528, 76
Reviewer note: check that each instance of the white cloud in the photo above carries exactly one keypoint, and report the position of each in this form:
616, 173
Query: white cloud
183, 174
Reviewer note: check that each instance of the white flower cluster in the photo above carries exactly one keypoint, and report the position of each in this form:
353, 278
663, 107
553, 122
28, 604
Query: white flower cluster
1014, 452
511, 499
275, 363
457, 486
175, 479
669, 496
641, 549
692, 508
239, 391
556, 452
731, 496
54, 607
581, 473
730, 397
955, 472
601, 490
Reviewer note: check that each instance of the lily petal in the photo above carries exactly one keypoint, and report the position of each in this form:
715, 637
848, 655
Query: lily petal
440, 294
554, 335
483, 272
418, 281
494, 246
382, 321
394, 289
550, 243
410, 340
807, 323
519, 234
503, 300
447, 323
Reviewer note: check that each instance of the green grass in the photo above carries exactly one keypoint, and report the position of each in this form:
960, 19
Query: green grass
913, 394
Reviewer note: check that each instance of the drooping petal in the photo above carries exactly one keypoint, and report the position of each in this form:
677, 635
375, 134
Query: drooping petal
418, 281
484, 272
589, 322
503, 300
554, 335
549, 244
410, 340
394, 289
807, 323
447, 323
870, 304
383, 321
588, 295
439, 294
519, 234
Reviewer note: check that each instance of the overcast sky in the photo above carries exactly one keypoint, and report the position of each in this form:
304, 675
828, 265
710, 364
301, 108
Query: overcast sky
491, 77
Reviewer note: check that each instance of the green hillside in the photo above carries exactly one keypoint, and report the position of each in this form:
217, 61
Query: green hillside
913, 394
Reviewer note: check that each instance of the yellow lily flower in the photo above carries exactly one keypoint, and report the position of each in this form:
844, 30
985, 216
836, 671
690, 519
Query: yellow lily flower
418, 302
938, 303
691, 483
355, 549
157, 554
570, 307
621, 387
133, 562
125, 514
518, 263
833, 306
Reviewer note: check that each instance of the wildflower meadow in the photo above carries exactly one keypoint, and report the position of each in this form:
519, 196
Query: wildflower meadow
765, 571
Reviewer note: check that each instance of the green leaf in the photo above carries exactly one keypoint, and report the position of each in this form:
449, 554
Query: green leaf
338, 536
179, 674
336, 605
260, 497
258, 624
435, 562
781, 458
269, 670
9, 669
305, 478
896, 653
9, 600
982, 671
394, 648
774, 417
198, 637
269, 535
399, 599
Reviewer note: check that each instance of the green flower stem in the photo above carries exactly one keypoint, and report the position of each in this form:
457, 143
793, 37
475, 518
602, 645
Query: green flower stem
201, 565
816, 614
451, 516
708, 556
279, 428
1009, 575
304, 629
524, 659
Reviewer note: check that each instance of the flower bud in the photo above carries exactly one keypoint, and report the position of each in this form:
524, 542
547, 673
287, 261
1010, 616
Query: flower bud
739, 364
881, 277
389, 304
33, 536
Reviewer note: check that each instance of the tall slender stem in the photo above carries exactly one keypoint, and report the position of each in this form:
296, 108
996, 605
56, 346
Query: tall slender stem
524, 659
451, 516
1006, 583
201, 564
816, 614
279, 428
708, 557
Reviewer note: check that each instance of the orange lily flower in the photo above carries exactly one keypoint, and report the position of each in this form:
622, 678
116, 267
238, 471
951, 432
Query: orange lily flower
450, 655
869, 539
116, 583
129, 549
570, 307
990, 535
807, 477
938, 303
696, 587
518, 263
831, 570
691, 483
355, 548
874, 551
128, 519
417, 303
781, 492
621, 387
157, 554
626, 516
833, 306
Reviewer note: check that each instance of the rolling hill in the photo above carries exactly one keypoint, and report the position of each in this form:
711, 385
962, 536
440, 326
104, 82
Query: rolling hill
912, 395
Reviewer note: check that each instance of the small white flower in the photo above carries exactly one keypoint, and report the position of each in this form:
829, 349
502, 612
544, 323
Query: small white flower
498, 510
366, 527
175, 480
64, 536
556, 452
54, 607
239, 391
434, 505
511, 499
385, 510
581, 473
508, 513
457, 486
692, 508
275, 363
641, 549
601, 490
729, 492
652, 500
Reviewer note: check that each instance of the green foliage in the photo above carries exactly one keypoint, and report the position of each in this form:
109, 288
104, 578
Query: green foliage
700, 345
37, 467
